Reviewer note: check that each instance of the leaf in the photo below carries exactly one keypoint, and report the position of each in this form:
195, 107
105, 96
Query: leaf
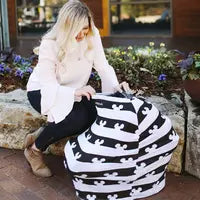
144, 70
193, 76
197, 64
184, 77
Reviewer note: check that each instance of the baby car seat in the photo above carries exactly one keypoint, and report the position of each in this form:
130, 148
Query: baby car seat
124, 154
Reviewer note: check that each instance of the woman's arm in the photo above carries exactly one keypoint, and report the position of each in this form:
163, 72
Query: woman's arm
56, 100
106, 72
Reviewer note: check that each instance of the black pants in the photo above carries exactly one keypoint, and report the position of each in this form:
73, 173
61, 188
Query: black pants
81, 117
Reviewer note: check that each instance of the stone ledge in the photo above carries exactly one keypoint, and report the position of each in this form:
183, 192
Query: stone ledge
18, 118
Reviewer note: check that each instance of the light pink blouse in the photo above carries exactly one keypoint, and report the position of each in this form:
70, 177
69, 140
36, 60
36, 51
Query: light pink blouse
58, 81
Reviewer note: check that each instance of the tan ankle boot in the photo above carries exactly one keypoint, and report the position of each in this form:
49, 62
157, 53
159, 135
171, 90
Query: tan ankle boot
35, 159
30, 138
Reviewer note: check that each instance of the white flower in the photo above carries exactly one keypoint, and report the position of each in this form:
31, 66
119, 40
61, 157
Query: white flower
142, 51
162, 44
151, 44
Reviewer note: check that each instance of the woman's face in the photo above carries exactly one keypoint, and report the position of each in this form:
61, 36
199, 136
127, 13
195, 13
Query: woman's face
81, 35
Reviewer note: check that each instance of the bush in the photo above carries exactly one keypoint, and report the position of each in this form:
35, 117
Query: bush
190, 66
142, 67
135, 63
15, 67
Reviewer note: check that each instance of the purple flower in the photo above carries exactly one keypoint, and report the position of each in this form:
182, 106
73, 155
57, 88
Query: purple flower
23, 61
17, 58
92, 75
186, 63
1, 68
19, 73
26, 62
29, 70
8, 69
162, 77
3, 58
33, 57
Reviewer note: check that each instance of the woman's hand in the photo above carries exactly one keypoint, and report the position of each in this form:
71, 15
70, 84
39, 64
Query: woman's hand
124, 86
87, 91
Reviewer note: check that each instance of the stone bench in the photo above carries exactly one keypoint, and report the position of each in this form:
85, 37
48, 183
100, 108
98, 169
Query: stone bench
17, 118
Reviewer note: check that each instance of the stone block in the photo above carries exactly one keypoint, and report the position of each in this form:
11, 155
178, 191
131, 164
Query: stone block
18, 118
192, 160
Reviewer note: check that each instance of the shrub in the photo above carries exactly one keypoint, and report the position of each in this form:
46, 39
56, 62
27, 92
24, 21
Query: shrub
139, 64
13, 65
190, 66
142, 67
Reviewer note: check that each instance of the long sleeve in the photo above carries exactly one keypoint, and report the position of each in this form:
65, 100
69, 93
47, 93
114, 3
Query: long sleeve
106, 72
56, 100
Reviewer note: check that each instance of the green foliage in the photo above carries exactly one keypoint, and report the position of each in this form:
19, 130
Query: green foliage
190, 66
12, 64
146, 67
135, 63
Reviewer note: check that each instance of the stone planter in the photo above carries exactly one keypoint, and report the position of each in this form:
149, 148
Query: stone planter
192, 87
17, 118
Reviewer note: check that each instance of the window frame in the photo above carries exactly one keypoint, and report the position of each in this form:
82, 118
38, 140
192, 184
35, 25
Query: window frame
133, 2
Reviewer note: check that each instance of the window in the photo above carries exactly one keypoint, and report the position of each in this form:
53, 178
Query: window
140, 17
35, 17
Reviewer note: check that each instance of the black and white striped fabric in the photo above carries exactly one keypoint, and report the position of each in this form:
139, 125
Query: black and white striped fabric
124, 154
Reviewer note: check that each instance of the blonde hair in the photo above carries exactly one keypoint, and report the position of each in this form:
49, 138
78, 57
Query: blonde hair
70, 22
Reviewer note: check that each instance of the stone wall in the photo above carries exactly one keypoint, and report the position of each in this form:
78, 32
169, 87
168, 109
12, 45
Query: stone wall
17, 118
192, 160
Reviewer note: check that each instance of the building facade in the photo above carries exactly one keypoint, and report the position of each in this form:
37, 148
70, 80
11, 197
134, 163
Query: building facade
167, 18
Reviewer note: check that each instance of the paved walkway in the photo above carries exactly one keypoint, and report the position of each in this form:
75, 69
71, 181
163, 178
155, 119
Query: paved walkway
18, 183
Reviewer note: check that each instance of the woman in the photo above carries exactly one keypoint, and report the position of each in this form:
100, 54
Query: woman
57, 87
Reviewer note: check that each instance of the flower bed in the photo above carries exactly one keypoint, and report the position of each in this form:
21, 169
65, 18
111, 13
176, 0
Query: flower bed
152, 70
148, 69
190, 71
15, 70
190, 66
